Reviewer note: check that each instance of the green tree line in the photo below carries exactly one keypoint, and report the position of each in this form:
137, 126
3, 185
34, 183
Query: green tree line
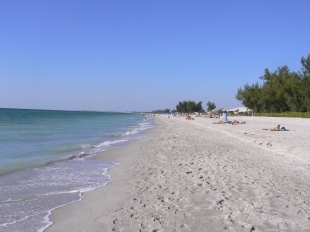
282, 90
189, 107
165, 111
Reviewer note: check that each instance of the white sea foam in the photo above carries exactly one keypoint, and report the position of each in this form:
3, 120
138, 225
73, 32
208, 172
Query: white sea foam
46, 219
109, 143
61, 182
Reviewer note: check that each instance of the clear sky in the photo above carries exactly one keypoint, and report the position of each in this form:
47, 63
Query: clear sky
140, 55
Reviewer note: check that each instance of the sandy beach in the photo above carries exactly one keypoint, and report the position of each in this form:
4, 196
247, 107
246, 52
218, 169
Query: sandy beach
193, 175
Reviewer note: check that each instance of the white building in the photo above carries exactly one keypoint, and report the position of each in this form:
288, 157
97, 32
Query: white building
240, 110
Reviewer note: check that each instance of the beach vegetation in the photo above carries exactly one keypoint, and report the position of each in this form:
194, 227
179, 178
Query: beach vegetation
285, 114
189, 107
280, 91
164, 111
211, 106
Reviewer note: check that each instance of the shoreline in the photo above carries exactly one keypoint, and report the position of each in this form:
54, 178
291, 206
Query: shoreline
198, 176
119, 182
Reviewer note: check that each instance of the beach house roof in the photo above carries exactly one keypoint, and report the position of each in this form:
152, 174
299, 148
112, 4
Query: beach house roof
239, 109
218, 110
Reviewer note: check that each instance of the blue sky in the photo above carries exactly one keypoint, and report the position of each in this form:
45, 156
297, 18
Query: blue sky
141, 55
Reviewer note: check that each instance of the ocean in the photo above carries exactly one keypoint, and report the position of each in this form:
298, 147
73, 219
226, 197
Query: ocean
46, 159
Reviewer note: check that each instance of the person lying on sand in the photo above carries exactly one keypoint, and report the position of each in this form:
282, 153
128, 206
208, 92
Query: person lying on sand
219, 122
189, 118
277, 128
237, 122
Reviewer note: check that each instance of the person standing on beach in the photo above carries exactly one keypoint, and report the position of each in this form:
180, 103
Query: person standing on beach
224, 116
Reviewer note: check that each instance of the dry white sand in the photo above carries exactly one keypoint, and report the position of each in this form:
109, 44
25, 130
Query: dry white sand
198, 176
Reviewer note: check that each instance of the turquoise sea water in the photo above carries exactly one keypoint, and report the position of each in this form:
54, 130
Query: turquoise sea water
46, 159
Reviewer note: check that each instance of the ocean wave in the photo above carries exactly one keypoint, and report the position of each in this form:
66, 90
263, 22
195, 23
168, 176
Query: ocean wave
109, 143
68, 148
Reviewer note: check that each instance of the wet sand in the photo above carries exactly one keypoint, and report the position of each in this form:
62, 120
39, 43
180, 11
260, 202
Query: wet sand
198, 176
